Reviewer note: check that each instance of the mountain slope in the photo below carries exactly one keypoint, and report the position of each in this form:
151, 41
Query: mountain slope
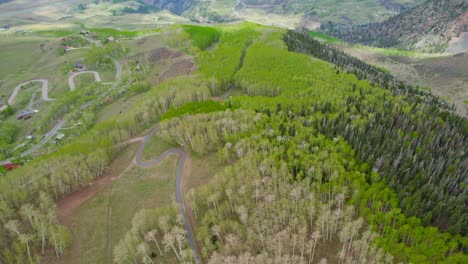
428, 27
176, 6
305, 11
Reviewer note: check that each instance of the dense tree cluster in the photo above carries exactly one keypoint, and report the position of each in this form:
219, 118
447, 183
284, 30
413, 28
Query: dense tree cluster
222, 63
300, 42
155, 233
206, 132
289, 183
419, 149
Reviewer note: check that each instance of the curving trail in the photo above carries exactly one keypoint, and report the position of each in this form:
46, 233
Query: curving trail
179, 197
71, 79
44, 89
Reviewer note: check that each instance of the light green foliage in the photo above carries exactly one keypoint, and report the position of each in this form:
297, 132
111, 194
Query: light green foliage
206, 132
398, 52
283, 148
155, 231
97, 58
8, 133
194, 108
7, 112
225, 59
116, 50
104, 33
271, 71
74, 41
325, 37
202, 37
56, 33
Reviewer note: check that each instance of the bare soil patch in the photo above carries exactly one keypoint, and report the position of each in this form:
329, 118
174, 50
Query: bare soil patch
163, 54
182, 67
67, 205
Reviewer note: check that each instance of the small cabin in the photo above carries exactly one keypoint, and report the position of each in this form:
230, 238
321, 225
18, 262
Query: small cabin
26, 114
79, 67
59, 137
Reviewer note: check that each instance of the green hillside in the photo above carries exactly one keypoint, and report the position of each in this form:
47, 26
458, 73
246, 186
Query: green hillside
282, 148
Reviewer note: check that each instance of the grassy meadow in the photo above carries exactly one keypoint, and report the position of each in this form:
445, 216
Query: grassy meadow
114, 205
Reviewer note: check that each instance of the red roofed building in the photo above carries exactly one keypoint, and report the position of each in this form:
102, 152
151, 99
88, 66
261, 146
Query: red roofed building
11, 166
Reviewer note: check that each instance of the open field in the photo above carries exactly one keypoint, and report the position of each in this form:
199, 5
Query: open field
20, 61
118, 107
113, 200
113, 205
202, 171
155, 147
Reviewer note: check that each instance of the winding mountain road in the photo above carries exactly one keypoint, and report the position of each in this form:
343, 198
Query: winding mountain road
71, 79
179, 196
45, 97
45, 92
71, 84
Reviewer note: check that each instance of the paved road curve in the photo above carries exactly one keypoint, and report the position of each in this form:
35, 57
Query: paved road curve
45, 92
71, 79
179, 196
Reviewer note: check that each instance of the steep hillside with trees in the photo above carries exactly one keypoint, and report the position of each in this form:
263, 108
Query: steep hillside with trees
427, 27
398, 142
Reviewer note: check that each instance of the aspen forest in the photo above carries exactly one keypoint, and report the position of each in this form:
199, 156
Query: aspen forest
323, 158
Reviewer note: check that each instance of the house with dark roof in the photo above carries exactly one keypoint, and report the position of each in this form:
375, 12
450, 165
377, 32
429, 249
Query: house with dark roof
79, 66
25, 114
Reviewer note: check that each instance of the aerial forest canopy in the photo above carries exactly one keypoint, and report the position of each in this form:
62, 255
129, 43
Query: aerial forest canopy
325, 159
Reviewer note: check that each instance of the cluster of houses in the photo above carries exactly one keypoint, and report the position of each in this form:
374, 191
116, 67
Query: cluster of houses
94, 35
86, 34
